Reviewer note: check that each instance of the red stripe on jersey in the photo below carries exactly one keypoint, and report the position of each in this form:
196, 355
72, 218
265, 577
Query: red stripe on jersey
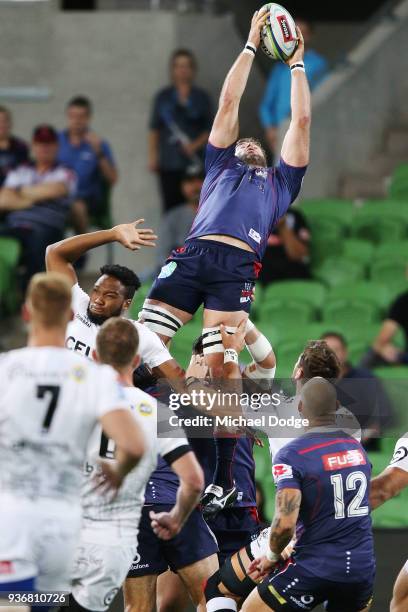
323, 444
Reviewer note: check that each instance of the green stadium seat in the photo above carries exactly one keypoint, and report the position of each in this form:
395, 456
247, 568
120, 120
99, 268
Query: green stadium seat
362, 291
384, 208
391, 250
391, 270
339, 210
337, 271
399, 183
358, 250
310, 292
285, 312
327, 236
395, 382
10, 250
375, 227
342, 310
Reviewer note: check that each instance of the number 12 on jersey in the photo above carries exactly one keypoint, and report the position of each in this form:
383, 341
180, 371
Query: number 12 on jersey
355, 480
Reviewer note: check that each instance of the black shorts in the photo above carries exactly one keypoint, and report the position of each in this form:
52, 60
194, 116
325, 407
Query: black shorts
292, 589
154, 556
218, 275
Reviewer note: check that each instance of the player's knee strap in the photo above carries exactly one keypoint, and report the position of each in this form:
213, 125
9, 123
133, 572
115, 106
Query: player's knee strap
256, 372
212, 340
228, 577
211, 588
160, 320
260, 349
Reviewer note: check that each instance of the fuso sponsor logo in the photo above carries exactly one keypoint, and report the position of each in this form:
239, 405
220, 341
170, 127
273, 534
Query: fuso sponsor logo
282, 471
343, 459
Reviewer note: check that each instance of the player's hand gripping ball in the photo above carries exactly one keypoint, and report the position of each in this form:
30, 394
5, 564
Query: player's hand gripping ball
278, 36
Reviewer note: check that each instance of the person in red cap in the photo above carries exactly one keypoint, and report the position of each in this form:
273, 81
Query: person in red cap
37, 198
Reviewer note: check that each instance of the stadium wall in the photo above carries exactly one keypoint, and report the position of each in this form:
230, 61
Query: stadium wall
354, 105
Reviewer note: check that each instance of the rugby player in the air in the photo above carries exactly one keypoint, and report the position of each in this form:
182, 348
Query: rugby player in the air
241, 201
111, 295
383, 487
110, 527
51, 401
322, 481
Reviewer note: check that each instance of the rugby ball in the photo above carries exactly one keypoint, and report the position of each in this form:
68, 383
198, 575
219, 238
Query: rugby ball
278, 36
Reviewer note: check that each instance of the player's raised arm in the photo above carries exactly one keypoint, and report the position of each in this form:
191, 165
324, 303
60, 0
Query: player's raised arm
226, 125
61, 256
296, 145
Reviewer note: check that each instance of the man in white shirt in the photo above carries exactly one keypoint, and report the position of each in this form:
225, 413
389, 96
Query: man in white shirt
383, 487
109, 535
51, 401
111, 295
37, 198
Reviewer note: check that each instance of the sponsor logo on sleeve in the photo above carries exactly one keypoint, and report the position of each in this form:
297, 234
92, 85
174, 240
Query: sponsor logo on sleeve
399, 454
343, 459
281, 471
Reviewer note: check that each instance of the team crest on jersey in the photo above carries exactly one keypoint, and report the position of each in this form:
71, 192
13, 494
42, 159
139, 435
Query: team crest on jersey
400, 453
246, 293
144, 409
343, 459
261, 172
282, 471
168, 269
78, 373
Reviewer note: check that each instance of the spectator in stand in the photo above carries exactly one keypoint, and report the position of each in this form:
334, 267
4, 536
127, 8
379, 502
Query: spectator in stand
383, 351
13, 151
179, 127
90, 157
176, 223
275, 105
287, 254
37, 198
365, 397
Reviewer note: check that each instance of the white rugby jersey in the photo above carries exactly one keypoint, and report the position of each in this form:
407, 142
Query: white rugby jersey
50, 402
126, 507
400, 456
81, 333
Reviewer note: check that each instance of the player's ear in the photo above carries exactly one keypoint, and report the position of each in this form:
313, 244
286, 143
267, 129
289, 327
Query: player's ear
136, 362
126, 305
25, 313
298, 374
95, 356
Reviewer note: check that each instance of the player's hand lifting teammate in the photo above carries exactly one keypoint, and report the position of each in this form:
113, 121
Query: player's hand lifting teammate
235, 341
132, 237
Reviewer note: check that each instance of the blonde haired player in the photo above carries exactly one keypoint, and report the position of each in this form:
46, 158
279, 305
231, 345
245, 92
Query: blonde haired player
51, 401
